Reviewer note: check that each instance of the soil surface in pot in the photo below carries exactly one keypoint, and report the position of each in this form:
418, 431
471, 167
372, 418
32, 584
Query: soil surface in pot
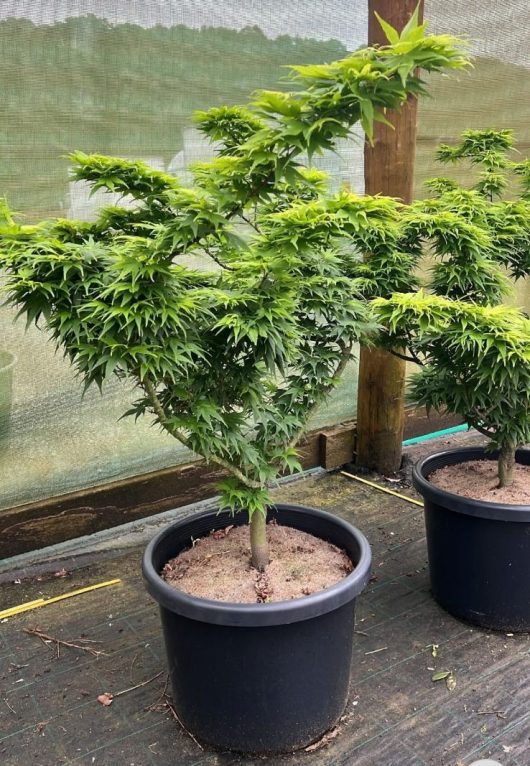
477, 479
218, 566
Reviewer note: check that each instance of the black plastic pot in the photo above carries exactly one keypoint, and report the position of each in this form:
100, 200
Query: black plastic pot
259, 678
479, 552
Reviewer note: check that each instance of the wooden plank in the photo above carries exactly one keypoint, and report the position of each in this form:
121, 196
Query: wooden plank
39, 524
389, 170
418, 423
337, 446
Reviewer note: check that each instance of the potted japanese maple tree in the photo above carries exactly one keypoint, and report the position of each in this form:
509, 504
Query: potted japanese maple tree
474, 355
476, 364
231, 353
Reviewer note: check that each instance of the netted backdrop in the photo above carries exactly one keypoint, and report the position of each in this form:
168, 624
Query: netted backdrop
494, 94
123, 77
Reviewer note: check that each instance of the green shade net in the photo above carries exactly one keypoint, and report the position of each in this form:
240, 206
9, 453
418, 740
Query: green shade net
124, 78
494, 94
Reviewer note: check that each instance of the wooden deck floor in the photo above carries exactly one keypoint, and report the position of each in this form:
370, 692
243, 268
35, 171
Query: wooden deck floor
396, 715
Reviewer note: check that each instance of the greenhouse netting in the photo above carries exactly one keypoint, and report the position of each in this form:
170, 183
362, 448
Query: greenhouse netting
123, 77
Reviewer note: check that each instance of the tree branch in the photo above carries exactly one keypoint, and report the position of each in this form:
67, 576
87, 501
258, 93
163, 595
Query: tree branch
480, 429
250, 483
345, 358
216, 260
411, 358
250, 223
177, 434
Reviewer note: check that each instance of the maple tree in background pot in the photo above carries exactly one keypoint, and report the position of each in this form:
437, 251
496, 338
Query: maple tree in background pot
475, 362
233, 307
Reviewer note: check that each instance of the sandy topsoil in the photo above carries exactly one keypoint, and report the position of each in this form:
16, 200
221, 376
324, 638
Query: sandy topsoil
478, 479
218, 566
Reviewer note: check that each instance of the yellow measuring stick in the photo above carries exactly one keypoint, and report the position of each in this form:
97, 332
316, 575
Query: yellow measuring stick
383, 489
28, 605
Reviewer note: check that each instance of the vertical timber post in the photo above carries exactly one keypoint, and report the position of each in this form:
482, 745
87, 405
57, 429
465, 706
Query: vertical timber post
389, 170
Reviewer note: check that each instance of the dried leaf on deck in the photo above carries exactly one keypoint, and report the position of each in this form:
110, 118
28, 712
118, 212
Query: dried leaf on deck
440, 675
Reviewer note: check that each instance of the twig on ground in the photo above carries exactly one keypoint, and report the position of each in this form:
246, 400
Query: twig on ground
160, 701
39, 727
107, 698
46, 639
137, 686
132, 664
498, 713
9, 706
169, 705
323, 741
165, 703
374, 651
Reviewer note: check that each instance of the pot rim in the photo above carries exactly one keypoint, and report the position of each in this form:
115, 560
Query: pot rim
470, 506
255, 615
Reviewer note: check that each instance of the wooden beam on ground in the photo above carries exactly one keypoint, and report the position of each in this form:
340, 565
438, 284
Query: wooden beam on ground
337, 446
389, 170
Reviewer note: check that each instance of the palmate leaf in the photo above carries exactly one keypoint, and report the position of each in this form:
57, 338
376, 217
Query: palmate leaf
413, 30
392, 35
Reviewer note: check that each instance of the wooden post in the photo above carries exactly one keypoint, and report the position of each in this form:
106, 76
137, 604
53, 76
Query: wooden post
389, 170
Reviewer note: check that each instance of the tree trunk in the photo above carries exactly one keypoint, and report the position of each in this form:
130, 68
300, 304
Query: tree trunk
506, 465
389, 170
258, 541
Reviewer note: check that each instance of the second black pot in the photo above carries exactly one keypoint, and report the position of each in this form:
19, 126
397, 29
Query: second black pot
259, 678
479, 552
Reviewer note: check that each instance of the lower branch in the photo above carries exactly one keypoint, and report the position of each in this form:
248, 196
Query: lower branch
250, 223
222, 463
473, 424
158, 409
216, 260
411, 358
